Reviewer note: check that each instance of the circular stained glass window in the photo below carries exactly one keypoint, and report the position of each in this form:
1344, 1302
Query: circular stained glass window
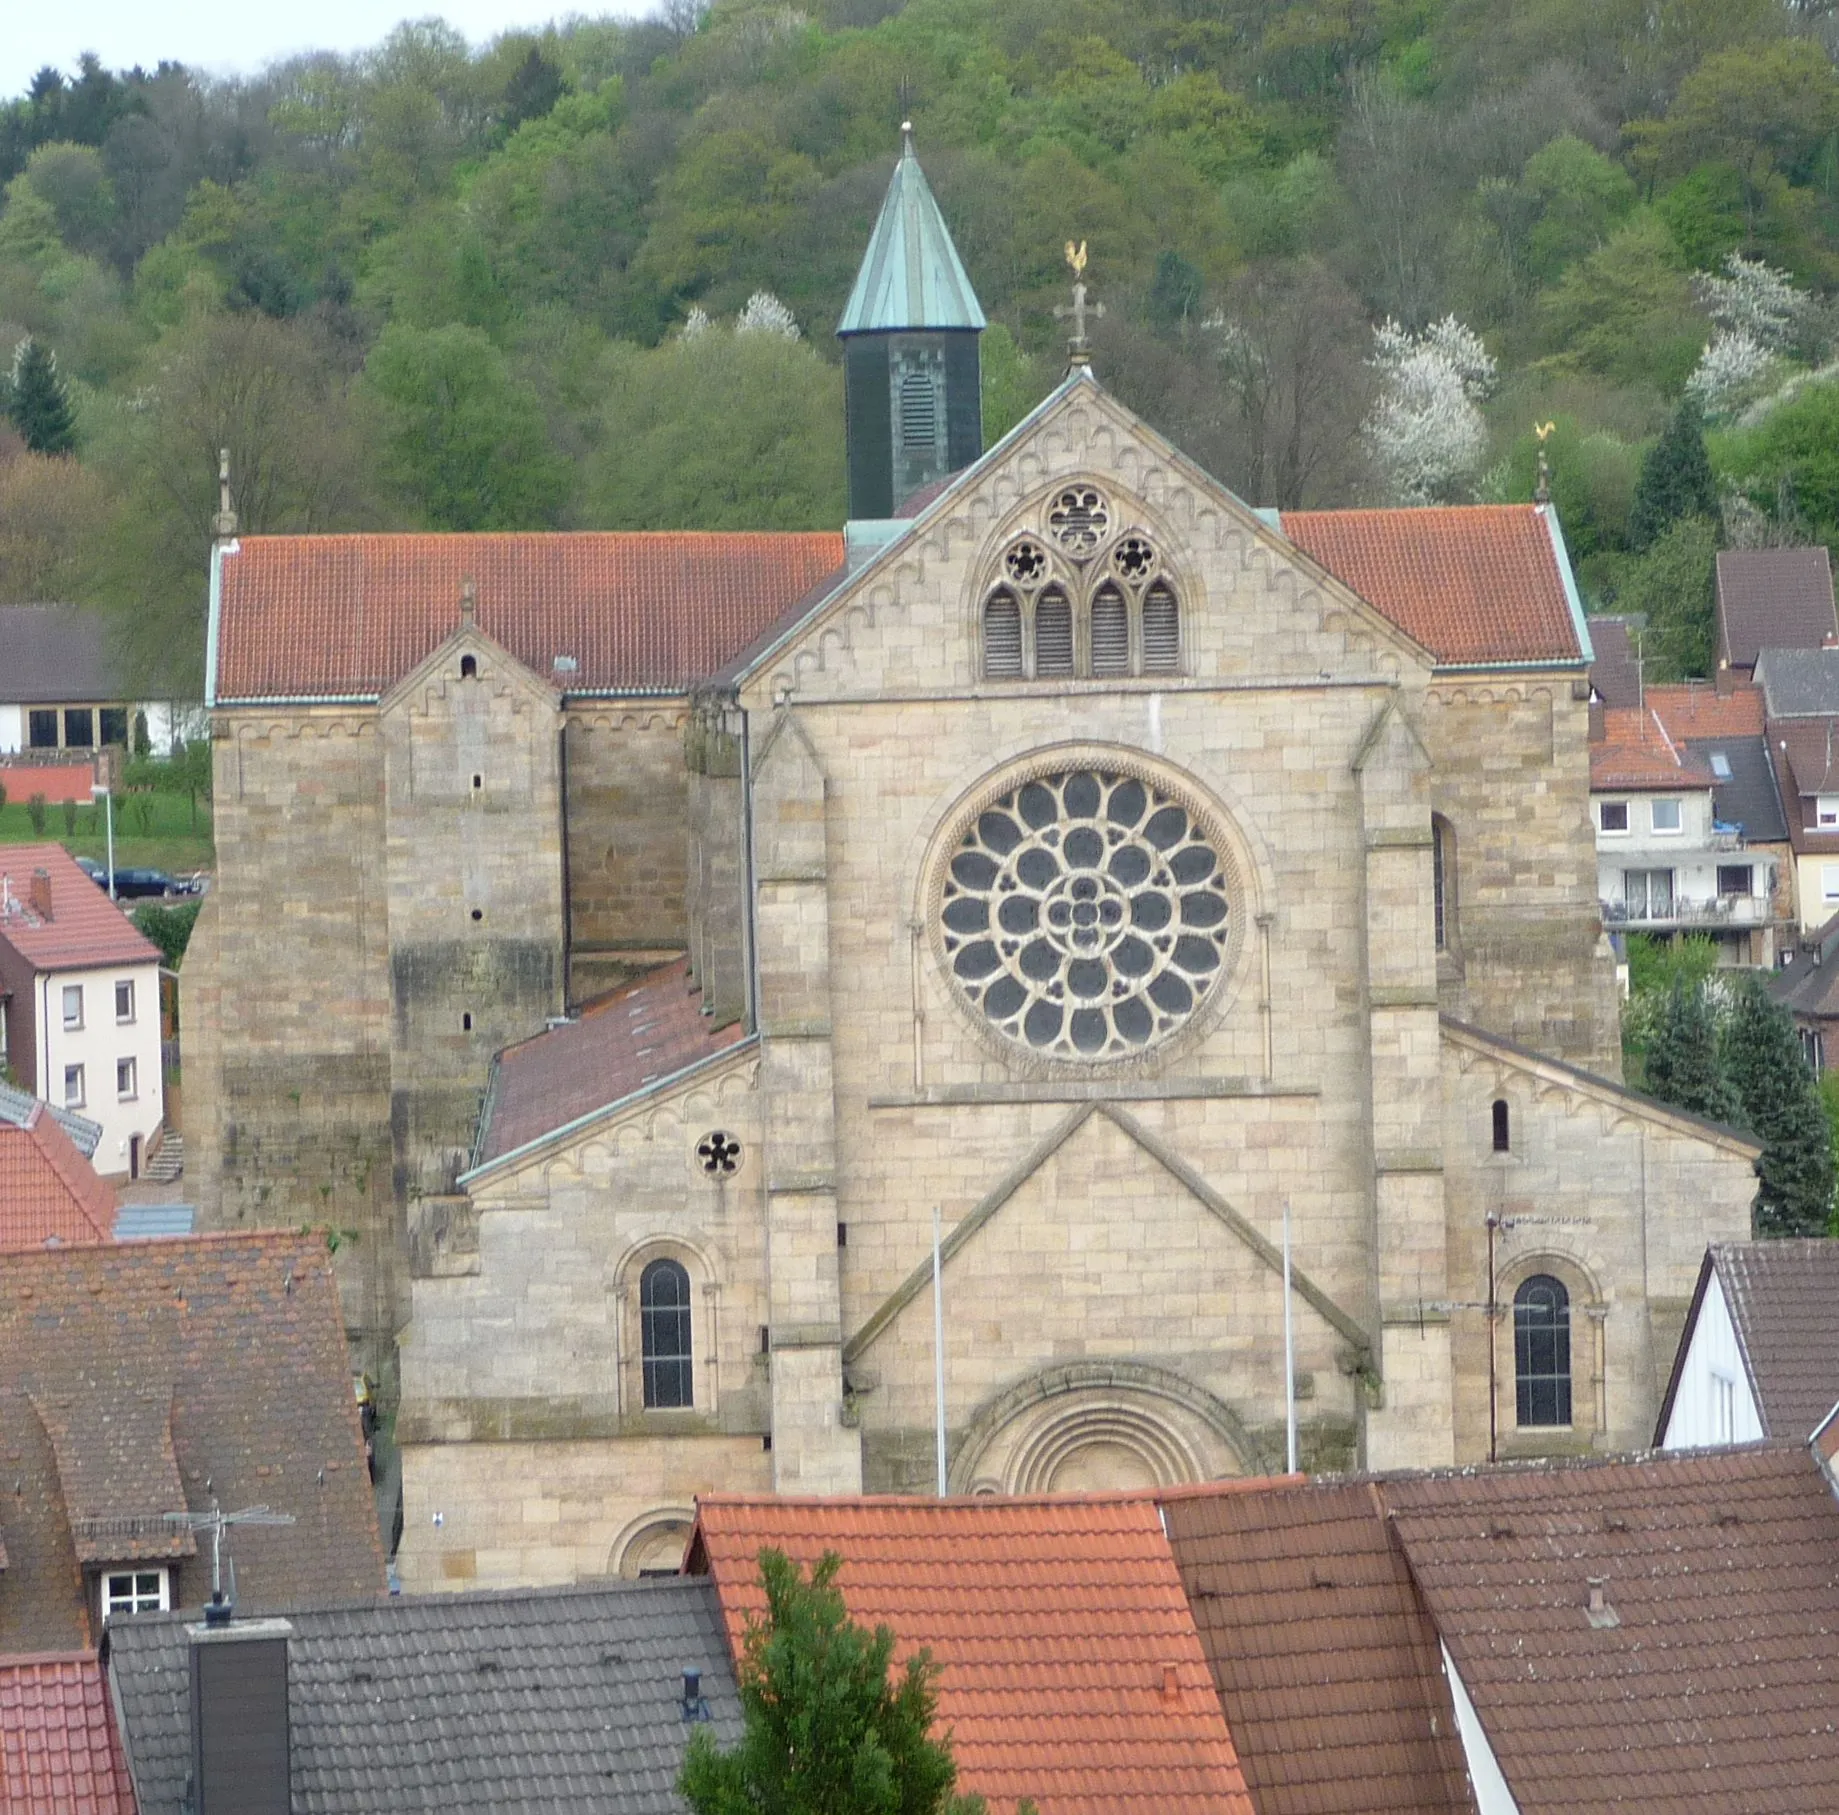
1085, 914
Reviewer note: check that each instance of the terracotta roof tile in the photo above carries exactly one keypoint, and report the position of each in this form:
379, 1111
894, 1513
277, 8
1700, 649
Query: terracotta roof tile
48, 1191
1784, 1299
339, 616
1057, 1623
1773, 598
1472, 583
1324, 1656
1699, 710
84, 928
59, 1751
1635, 752
625, 1040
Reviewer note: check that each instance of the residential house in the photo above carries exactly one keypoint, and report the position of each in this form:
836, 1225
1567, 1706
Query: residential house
577, 1701
60, 1749
1807, 986
142, 1380
1771, 598
1759, 1356
1800, 689
80, 1002
61, 688
49, 1192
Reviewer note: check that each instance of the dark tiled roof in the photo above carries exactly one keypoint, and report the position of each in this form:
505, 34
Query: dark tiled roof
1071, 1669
1809, 984
134, 1374
348, 616
1474, 584
1711, 1680
60, 1753
1773, 598
565, 1701
48, 1191
1784, 1300
1635, 753
84, 928
1748, 799
1805, 756
1799, 683
1614, 674
53, 654
628, 1039
1324, 1656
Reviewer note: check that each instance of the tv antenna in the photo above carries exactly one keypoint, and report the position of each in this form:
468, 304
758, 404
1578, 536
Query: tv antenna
214, 1522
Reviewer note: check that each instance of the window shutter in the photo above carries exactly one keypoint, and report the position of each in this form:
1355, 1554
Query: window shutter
1110, 632
1161, 630
1053, 634
1002, 636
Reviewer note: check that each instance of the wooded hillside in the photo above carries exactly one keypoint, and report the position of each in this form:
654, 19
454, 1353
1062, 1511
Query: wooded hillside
548, 282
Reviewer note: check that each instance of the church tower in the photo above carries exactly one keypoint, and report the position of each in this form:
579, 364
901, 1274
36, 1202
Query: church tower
912, 378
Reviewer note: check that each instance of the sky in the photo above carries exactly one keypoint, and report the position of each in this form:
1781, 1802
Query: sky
233, 37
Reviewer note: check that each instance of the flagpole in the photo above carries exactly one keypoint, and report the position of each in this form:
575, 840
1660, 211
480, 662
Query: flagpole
938, 1353
1289, 1348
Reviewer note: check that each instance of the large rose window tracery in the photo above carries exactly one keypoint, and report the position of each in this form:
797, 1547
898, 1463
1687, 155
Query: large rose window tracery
1086, 913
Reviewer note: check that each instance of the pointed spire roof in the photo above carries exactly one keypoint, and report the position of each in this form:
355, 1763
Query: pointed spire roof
911, 276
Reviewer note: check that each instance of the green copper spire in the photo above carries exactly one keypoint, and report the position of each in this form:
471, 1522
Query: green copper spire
910, 276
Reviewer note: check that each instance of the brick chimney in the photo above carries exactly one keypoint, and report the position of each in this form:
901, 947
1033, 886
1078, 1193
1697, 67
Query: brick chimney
38, 894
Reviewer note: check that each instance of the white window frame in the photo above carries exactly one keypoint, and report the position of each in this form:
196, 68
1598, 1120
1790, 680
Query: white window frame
1829, 882
78, 1098
124, 985
73, 1007
132, 1071
1723, 1408
1679, 816
1826, 810
1602, 825
147, 1590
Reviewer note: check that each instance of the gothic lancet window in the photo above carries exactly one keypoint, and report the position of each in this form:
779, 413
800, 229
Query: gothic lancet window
1110, 631
1161, 630
1053, 634
1002, 635
1542, 1352
664, 1335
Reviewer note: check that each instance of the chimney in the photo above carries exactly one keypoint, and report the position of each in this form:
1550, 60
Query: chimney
694, 1707
1171, 1682
1598, 727
1600, 1614
239, 1717
38, 896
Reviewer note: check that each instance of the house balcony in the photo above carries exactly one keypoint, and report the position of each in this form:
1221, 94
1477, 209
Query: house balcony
1685, 914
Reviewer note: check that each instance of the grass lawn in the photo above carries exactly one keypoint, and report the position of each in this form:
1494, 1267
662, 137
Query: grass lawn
169, 842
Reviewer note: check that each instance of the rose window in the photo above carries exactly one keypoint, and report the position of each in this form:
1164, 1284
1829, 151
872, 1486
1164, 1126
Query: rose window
1026, 562
1086, 914
1079, 518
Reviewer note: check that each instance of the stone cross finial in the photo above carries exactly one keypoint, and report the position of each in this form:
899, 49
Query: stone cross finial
1542, 492
469, 601
1078, 348
223, 525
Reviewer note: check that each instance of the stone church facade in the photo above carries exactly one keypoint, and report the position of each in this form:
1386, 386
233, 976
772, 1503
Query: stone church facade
633, 941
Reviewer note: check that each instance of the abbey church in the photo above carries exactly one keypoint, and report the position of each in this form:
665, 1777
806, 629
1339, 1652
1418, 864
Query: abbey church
626, 942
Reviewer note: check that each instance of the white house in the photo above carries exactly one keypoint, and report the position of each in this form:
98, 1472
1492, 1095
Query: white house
59, 689
80, 1002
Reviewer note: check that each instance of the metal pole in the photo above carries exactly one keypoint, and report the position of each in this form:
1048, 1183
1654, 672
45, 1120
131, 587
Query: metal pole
108, 808
938, 1352
1493, 1340
1289, 1348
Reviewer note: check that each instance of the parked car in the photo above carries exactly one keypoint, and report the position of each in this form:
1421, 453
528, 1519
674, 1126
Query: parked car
141, 885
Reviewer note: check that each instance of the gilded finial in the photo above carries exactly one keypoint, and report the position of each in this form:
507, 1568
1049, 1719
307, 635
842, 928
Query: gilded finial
1076, 257
223, 525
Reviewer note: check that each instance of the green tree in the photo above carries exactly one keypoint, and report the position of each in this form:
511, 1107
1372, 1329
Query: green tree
461, 437
1676, 479
170, 928
826, 1732
1683, 1065
1781, 1104
38, 401
1674, 585
1626, 312
1793, 449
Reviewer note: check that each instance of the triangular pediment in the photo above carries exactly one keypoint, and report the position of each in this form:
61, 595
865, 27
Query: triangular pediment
493, 664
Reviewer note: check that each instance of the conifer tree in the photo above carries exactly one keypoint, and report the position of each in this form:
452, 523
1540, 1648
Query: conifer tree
1676, 479
826, 1728
1683, 1065
1781, 1104
37, 403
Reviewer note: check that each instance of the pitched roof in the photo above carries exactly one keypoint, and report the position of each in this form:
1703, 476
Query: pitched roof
1808, 981
1784, 1301
1475, 584
1635, 753
53, 654
1614, 673
1697, 709
48, 1191
910, 276
59, 1750
618, 1045
1773, 597
142, 1378
1324, 1656
84, 927
345, 617
1709, 1680
566, 1700
17, 1105
1744, 795
1071, 1668
1799, 683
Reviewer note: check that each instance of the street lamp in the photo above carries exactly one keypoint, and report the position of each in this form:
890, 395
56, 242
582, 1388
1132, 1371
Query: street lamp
108, 804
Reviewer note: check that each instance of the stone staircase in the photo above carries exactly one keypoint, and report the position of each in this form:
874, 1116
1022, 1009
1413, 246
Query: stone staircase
168, 1160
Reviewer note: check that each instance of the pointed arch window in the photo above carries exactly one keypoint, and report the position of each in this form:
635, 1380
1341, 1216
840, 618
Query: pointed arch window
1002, 635
1110, 631
1161, 630
1053, 633
1542, 1352
664, 1334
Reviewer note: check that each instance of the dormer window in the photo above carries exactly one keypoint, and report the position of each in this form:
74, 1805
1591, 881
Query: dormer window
135, 1591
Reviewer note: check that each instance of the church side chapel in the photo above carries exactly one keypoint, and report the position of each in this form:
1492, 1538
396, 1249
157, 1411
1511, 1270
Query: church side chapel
633, 939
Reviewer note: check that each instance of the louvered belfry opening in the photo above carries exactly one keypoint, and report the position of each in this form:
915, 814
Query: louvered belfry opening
1161, 630
1053, 634
1002, 636
1110, 631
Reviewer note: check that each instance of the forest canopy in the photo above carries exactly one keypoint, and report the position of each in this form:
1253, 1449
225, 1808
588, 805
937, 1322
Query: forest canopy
1351, 251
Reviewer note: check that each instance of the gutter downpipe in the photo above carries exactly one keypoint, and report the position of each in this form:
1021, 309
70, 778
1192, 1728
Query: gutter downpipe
747, 861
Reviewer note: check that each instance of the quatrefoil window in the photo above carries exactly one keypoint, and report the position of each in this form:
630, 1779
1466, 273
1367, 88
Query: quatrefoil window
1134, 558
1085, 914
1078, 520
1026, 563
718, 1154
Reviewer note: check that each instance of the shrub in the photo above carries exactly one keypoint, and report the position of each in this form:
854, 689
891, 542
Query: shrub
35, 811
70, 819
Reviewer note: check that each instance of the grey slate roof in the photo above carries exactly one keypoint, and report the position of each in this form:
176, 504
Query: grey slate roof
144, 1222
1749, 798
560, 1700
1799, 683
1773, 598
16, 1106
910, 276
50, 654
1784, 1300
1808, 983
1614, 674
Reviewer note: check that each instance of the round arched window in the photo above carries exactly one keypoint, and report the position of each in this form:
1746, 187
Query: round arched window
1086, 913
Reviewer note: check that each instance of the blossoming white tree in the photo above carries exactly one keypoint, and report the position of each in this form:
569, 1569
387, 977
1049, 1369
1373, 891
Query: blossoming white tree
766, 314
1756, 309
1425, 432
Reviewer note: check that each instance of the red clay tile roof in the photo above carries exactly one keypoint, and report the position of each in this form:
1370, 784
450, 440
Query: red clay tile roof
1071, 1669
59, 1751
1699, 710
85, 928
1635, 752
48, 1191
141, 1378
1472, 583
1773, 598
1325, 1658
1714, 1684
631, 1037
348, 616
